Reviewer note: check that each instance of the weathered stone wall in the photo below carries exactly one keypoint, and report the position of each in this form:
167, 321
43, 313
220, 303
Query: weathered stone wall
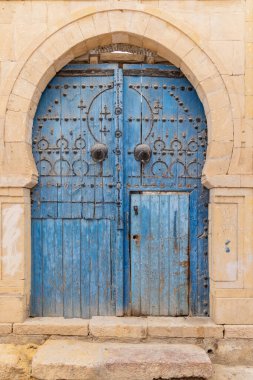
212, 42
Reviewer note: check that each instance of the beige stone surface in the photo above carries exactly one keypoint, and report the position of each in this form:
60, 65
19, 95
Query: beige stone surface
12, 308
222, 372
238, 331
196, 327
70, 359
9, 359
226, 311
233, 352
117, 327
52, 326
5, 328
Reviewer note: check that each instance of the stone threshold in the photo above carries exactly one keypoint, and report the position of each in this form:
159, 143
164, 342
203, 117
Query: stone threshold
119, 327
128, 328
75, 359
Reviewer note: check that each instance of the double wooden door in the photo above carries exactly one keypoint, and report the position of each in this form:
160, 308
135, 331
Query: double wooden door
119, 215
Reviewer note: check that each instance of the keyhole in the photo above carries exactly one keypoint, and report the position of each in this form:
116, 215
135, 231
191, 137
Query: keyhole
135, 237
136, 210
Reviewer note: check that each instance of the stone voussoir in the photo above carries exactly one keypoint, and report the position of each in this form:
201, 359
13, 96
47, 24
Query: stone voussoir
52, 326
183, 327
72, 359
117, 327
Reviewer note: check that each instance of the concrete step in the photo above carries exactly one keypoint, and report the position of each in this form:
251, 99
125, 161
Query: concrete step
75, 359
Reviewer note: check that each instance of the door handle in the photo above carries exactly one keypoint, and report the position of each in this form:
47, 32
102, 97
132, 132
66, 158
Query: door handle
99, 152
142, 153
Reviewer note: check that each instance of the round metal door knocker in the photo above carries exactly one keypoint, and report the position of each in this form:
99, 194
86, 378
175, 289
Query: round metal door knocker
142, 153
118, 110
99, 152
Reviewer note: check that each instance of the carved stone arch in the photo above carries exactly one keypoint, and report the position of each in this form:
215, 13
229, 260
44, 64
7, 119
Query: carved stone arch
103, 28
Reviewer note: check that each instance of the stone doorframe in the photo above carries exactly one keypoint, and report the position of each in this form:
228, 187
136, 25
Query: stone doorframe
230, 209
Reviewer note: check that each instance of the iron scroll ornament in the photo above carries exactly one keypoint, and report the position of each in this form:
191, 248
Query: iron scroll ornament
142, 153
99, 152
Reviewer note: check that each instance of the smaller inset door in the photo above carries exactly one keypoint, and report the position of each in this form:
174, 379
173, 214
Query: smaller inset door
159, 253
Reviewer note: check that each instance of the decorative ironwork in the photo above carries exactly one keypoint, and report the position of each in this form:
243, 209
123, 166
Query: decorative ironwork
142, 153
99, 152
123, 48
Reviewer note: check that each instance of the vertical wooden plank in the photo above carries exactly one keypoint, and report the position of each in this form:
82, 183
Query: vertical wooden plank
116, 259
76, 279
174, 253
183, 205
132, 137
48, 267
104, 270
164, 255
193, 241
155, 221
94, 268
120, 222
37, 268
59, 283
145, 253
68, 268
136, 253
85, 268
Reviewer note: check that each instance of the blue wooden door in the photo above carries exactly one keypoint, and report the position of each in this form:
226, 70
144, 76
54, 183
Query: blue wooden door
159, 253
83, 262
162, 112
76, 221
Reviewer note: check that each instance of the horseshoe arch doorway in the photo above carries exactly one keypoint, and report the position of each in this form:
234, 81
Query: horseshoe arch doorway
119, 215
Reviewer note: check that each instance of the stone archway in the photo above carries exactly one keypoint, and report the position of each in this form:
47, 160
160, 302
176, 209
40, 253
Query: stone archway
106, 27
